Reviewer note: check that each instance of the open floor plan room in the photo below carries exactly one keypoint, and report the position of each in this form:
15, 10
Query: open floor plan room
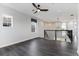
39, 29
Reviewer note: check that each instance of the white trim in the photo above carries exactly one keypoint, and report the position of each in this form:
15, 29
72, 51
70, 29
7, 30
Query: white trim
15, 42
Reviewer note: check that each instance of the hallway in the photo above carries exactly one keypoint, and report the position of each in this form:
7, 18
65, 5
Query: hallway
39, 47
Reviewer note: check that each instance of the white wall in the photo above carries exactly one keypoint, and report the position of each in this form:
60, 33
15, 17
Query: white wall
40, 29
20, 31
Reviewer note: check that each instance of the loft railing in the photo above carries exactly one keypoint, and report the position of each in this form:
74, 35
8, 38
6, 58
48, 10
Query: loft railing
62, 35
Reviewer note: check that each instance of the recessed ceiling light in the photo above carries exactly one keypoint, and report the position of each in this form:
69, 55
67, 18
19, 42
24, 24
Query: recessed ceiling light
71, 15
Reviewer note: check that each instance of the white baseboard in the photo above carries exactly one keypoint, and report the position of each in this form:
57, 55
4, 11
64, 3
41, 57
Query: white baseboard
9, 44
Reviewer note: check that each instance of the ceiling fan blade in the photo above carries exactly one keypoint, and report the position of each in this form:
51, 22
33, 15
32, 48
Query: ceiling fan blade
43, 9
35, 12
34, 5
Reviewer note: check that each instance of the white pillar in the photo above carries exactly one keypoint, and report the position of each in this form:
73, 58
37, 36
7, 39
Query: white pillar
78, 40
78, 30
78, 37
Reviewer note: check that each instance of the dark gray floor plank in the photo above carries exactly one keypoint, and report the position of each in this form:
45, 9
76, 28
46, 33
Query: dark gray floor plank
39, 47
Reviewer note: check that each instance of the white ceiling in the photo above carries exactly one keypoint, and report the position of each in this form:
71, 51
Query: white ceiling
56, 10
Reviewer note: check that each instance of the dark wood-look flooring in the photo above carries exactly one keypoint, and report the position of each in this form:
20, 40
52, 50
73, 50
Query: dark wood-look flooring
39, 47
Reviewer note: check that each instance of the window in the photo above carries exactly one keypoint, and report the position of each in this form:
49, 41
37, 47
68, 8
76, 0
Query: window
33, 25
63, 25
7, 21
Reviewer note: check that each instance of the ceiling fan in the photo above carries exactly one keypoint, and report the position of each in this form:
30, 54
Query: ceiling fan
38, 8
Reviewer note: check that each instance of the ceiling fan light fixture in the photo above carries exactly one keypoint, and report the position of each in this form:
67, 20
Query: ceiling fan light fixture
38, 10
